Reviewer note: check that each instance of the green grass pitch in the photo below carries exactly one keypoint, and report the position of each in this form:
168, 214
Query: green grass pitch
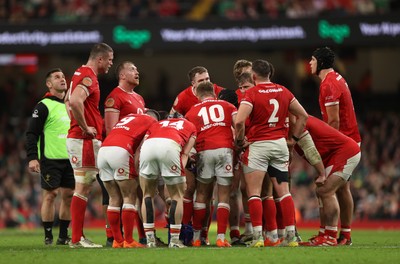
369, 246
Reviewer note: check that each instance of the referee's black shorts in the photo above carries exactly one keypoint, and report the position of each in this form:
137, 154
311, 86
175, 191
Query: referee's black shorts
56, 173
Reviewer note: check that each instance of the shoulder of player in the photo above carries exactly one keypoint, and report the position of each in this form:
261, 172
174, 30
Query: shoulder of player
187, 90
85, 75
41, 107
116, 93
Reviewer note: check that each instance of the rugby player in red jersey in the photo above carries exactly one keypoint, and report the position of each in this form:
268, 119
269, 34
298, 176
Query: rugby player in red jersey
85, 134
244, 80
122, 100
116, 162
337, 110
214, 146
340, 155
268, 105
177, 137
182, 104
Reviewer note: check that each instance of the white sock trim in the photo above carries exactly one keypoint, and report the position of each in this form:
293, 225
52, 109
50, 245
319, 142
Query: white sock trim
199, 206
283, 197
128, 206
113, 208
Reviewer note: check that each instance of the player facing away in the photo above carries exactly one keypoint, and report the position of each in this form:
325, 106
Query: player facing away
340, 155
268, 105
337, 110
214, 145
117, 162
177, 137
47, 154
85, 134
122, 100
182, 104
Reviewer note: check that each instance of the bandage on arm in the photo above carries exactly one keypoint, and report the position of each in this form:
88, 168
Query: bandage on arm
310, 151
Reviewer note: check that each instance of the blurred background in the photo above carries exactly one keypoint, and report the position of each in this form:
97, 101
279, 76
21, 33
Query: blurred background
166, 38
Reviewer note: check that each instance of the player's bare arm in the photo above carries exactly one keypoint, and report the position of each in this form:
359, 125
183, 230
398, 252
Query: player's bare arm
76, 101
333, 116
186, 150
296, 109
243, 113
312, 155
110, 119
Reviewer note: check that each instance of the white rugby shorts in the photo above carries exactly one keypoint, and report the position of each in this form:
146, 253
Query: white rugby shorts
161, 156
215, 163
115, 163
82, 153
261, 154
343, 169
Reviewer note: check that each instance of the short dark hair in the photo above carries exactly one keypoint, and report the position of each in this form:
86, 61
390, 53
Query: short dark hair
205, 88
120, 67
49, 73
263, 68
325, 58
196, 70
100, 49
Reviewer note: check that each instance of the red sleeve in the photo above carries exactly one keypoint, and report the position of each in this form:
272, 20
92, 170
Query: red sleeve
329, 94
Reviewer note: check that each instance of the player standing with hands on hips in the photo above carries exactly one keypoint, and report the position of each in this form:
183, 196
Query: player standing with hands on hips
85, 134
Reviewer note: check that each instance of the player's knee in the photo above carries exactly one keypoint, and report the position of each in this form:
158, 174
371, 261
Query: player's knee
50, 195
324, 191
85, 177
66, 195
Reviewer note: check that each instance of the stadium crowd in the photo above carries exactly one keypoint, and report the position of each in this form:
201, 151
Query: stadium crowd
375, 182
70, 11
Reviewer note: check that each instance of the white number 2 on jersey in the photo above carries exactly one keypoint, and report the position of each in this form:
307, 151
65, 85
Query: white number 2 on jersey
211, 113
178, 125
273, 118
